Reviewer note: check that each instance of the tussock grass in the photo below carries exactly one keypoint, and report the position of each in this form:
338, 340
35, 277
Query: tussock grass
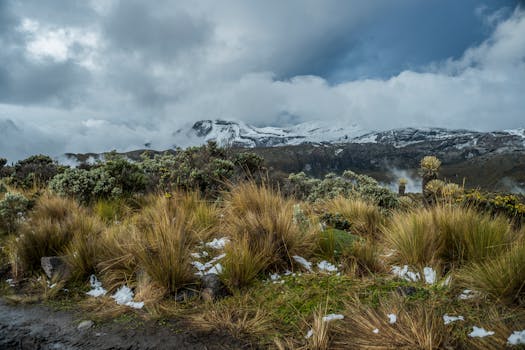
54, 208
117, 263
446, 235
502, 277
418, 326
261, 221
365, 218
83, 249
239, 318
164, 243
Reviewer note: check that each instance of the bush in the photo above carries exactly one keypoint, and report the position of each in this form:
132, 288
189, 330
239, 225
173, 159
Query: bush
348, 185
13, 208
207, 169
510, 205
115, 178
34, 171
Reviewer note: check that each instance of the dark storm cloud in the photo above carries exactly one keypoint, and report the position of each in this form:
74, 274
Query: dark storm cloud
156, 33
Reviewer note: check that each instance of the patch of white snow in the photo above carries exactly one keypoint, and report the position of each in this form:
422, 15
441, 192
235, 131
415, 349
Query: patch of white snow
430, 275
332, 317
303, 262
124, 296
478, 332
516, 338
326, 266
392, 318
96, 287
449, 319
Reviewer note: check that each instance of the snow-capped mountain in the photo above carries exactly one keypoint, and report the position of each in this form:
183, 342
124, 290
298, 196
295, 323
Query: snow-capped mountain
239, 134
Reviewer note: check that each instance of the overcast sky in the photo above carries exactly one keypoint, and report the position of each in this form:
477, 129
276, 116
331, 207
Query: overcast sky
94, 75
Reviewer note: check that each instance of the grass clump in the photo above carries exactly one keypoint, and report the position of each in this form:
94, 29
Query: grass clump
364, 217
417, 326
502, 277
451, 236
262, 222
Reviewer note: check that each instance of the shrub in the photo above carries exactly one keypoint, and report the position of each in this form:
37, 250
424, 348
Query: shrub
34, 171
113, 179
13, 208
447, 235
510, 205
348, 185
207, 169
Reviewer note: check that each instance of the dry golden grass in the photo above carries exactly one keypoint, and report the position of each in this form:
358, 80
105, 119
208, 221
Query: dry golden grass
264, 219
502, 277
365, 218
240, 319
320, 338
446, 235
117, 263
418, 326
82, 252
164, 244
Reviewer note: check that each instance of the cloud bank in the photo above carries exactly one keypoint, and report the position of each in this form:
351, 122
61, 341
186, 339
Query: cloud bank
90, 76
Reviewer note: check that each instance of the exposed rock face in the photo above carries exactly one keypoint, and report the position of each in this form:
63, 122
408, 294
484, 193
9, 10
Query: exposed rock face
55, 267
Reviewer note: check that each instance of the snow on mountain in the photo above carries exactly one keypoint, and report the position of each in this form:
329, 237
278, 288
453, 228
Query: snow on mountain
231, 133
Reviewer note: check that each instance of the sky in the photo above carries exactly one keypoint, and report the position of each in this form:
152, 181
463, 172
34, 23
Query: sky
96, 75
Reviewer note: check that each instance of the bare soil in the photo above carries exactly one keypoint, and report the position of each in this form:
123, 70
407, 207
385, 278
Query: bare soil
39, 327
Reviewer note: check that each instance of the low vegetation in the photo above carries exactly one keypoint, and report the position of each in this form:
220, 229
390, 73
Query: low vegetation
337, 263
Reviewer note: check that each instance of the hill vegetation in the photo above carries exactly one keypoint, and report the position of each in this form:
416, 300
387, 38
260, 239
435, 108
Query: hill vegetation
207, 236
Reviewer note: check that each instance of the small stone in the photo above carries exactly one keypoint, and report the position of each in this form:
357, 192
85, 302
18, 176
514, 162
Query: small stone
55, 266
87, 324
212, 287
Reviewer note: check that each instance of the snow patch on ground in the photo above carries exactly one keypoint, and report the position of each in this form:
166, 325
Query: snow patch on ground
392, 318
96, 287
516, 338
478, 332
124, 296
211, 266
332, 317
303, 262
375, 331
218, 243
430, 275
326, 266
405, 273
468, 294
449, 319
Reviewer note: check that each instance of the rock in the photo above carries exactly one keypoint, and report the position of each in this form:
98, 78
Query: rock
87, 324
184, 295
212, 287
55, 267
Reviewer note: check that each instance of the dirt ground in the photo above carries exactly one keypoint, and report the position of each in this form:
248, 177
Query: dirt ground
38, 327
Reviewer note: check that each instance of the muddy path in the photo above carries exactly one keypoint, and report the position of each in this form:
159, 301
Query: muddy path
39, 327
